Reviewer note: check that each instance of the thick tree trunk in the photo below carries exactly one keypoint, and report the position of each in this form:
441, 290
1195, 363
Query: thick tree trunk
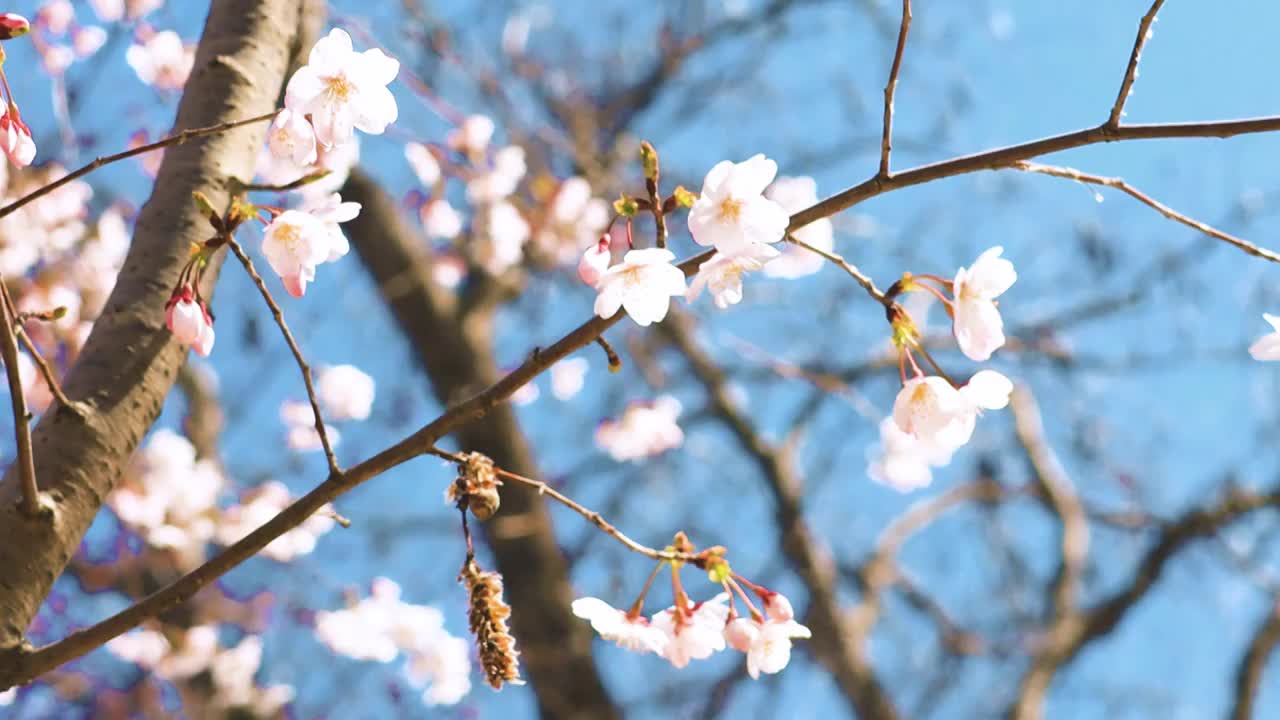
130, 360
456, 350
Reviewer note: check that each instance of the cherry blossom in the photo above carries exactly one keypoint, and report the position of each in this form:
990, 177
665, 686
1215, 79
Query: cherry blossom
777, 606
904, 462
162, 60
695, 633
505, 232
18, 143
770, 648
381, 626
345, 392
473, 135
795, 194
424, 163
331, 211
731, 213
141, 647
594, 262
343, 90
500, 179
189, 320
630, 632
300, 427
645, 429
1267, 347
574, 220
87, 40
942, 417
440, 219
294, 243
642, 284
261, 505
292, 137
722, 274
56, 16
979, 328
568, 377
741, 633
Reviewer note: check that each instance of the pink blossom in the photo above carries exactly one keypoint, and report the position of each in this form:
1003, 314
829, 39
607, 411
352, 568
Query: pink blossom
189, 321
18, 143
292, 137
1267, 347
693, 634
645, 429
722, 274
594, 262
162, 60
633, 633
294, 244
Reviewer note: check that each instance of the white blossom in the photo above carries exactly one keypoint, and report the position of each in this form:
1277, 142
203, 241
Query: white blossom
770, 649
162, 60
722, 273
594, 262
1267, 347
642, 284
291, 136
795, 194
345, 392
500, 179
942, 417
294, 244
731, 212
568, 377
331, 211
424, 163
695, 634
343, 90
630, 633
645, 429
264, 504
979, 328
904, 462
574, 220
506, 232
440, 219
473, 135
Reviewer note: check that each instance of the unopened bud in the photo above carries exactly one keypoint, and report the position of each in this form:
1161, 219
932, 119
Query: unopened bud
649, 159
13, 25
683, 197
59, 312
626, 206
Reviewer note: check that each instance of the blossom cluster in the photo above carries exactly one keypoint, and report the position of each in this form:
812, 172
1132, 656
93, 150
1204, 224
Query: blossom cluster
690, 631
382, 627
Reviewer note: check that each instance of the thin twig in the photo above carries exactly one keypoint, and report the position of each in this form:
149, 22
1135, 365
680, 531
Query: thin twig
293, 346
1254, 663
1006, 156
21, 426
1120, 184
886, 141
286, 187
592, 516
50, 377
175, 139
1131, 72
866, 282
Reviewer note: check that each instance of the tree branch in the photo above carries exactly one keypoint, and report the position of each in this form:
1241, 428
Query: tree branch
886, 141
1131, 72
1254, 663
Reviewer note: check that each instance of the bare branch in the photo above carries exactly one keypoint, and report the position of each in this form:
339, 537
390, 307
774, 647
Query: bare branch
1131, 72
886, 141
1254, 663
1120, 184
303, 367
21, 422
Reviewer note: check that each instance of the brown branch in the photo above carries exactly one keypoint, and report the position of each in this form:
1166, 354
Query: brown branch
1006, 156
1121, 185
886, 141
1254, 663
21, 422
303, 367
1058, 495
177, 138
838, 644
1131, 72
591, 516
129, 361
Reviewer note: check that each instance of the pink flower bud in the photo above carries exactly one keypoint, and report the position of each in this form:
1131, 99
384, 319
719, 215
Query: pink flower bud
13, 25
778, 607
16, 136
189, 321
741, 633
594, 262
